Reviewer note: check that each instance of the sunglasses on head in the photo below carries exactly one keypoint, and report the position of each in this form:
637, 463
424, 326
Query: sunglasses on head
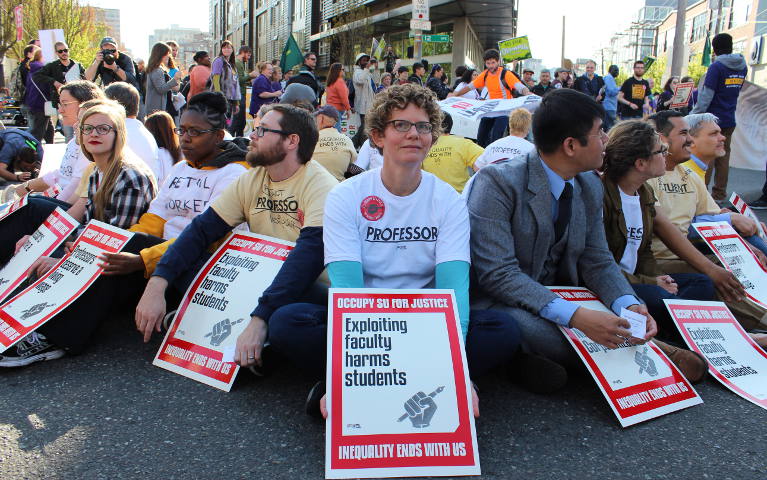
63, 50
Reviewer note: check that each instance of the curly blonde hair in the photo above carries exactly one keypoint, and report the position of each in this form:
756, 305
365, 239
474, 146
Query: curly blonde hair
398, 97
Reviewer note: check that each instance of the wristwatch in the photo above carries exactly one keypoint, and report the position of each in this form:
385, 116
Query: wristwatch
26, 187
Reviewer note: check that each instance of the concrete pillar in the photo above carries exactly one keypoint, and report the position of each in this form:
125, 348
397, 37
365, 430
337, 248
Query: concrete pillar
460, 33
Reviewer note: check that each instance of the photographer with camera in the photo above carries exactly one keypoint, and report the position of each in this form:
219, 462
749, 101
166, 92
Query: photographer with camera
111, 65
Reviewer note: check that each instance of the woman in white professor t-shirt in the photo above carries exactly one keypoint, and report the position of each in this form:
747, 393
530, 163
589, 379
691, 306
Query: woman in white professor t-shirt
396, 227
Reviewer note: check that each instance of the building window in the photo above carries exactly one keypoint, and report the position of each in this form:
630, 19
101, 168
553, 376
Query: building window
739, 13
698, 27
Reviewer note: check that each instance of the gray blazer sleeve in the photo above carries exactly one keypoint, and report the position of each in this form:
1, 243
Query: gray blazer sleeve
492, 206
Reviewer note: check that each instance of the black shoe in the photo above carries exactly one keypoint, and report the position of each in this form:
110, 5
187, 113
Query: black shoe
759, 204
538, 374
30, 349
312, 405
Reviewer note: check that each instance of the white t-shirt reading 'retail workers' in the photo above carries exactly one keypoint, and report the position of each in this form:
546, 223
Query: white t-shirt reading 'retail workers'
187, 191
506, 147
632, 212
398, 240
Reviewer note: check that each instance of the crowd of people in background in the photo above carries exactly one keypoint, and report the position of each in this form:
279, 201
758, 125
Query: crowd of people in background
598, 155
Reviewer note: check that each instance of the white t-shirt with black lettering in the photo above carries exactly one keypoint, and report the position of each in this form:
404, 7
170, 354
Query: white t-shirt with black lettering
187, 191
632, 212
398, 240
503, 148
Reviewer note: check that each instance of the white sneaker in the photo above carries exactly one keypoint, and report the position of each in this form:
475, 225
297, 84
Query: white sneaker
30, 349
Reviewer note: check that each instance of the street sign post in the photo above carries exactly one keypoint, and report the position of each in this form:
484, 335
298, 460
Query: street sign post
420, 24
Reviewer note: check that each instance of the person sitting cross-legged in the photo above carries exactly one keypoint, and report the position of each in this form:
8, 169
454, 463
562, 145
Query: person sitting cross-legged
432, 250
538, 222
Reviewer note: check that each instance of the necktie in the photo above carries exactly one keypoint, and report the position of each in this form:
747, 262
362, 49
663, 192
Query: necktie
565, 209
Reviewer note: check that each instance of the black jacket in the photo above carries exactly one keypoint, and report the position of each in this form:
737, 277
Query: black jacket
306, 77
589, 87
109, 76
542, 90
440, 89
415, 79
54, 72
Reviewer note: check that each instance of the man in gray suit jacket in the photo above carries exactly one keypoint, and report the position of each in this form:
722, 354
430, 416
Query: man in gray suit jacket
538, 222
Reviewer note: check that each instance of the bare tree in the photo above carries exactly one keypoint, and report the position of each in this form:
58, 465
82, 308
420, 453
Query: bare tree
353, 31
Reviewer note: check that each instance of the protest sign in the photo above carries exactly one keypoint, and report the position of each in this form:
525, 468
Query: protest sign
71, 276
48, 39
11, 207
47, 238
638, 381
737, 257
517, 48
217, 306
349, 126
741, 206
734, 359
749, 141
52, 192
398, 388
682, 93
471, 109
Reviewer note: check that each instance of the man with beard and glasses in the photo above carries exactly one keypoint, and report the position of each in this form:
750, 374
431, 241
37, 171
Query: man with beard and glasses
282, 196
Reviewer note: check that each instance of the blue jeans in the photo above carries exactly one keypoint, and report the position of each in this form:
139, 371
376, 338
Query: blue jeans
611, 116
491, 129
692, 286
299, 333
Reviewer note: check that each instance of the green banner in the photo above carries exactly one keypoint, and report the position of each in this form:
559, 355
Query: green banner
291, 55
517, 48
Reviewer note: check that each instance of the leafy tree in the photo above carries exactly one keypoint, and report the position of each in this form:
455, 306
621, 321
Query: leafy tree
656, 71
81, 30
695, 69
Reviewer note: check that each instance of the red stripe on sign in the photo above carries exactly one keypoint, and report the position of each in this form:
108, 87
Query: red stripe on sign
575, 295
197, 358
259, 246
91, 236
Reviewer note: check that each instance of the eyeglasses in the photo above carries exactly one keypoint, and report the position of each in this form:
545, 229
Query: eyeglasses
259, 131
63, 50
64, 104
602, 135
110, 50
192, 132
100, 129
663, 151
404, 126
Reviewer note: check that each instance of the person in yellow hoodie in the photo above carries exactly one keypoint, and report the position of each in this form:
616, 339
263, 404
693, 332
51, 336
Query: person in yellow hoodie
211, 164
451, 157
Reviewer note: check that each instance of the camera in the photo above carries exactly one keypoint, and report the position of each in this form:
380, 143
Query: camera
109, 56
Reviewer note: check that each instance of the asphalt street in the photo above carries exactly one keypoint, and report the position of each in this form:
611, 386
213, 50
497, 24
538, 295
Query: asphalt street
109, 414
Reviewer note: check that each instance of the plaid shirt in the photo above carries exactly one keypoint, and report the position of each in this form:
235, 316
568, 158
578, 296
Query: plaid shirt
134, 190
